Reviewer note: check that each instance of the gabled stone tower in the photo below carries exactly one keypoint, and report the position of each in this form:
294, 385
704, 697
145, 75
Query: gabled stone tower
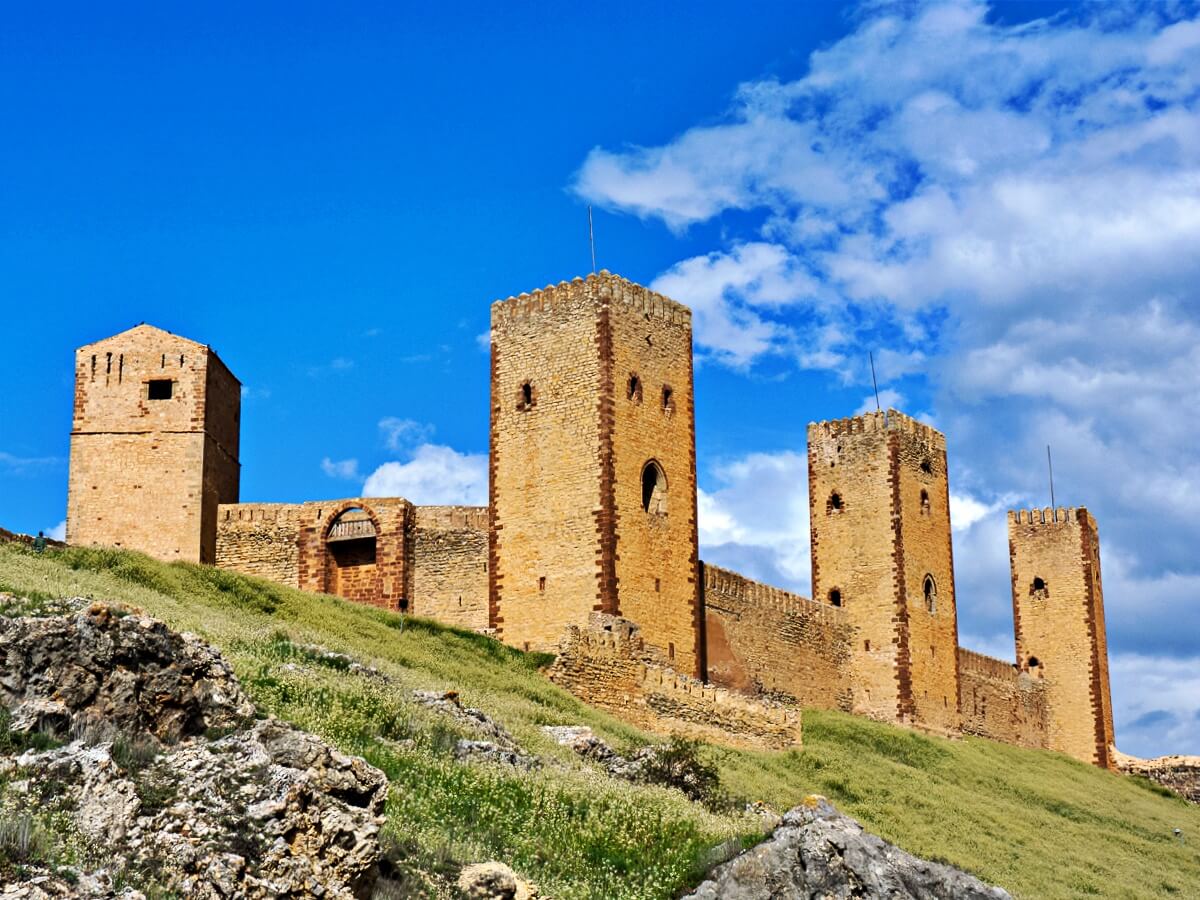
593, 466
879, 502
154, 445
1058, 611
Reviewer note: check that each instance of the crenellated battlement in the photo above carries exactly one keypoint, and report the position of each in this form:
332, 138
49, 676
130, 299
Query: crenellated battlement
874, 422
259, 512
1062, 515
729, 584
597, 287
971, 661
608, 664
451, 518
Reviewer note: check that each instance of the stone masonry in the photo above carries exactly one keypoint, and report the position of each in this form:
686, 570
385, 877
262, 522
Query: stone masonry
593, 465
1058, 608
589, 545
879, 504
154, 445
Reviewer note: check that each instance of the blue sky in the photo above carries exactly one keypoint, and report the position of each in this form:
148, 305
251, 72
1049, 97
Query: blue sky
1001, 200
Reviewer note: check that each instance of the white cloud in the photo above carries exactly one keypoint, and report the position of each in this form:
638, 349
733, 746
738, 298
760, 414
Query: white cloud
1156, 704
399, 434
434, 475
1010, 216
344, 468
756, 519
58, 532
888, 399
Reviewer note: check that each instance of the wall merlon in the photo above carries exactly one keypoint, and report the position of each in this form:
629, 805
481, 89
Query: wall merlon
1050, 516
597, 288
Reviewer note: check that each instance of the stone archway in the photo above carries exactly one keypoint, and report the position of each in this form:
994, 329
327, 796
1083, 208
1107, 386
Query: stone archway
351, 555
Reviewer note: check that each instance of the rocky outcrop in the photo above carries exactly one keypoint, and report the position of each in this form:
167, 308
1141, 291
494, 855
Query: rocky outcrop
168, 774
1178, 774
106, 668
498, 746
819, 853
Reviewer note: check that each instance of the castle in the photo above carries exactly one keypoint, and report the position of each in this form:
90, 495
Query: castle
590, 537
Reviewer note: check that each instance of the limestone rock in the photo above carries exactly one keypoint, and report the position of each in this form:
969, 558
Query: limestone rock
104, 666
170, 773
494, 881
819, 853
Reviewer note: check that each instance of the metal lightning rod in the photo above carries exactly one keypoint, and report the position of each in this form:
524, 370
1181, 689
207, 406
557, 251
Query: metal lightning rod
874, 383
592, 238
1050, 466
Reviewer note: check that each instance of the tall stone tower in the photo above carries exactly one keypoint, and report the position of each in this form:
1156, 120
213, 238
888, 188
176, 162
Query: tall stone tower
593, 465
1058, 610
154, 445
879, 502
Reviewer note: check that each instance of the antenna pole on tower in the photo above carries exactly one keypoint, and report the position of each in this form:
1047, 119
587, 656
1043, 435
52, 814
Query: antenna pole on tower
874, 383
592, 238
1050, 466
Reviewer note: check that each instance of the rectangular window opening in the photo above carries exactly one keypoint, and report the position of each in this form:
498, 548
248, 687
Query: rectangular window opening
542, 583
657, 585
670, 650
160, 389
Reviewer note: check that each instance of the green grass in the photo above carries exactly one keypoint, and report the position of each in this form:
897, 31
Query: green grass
1037, 823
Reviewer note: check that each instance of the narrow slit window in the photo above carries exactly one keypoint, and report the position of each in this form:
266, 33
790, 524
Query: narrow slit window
634, 392
924, 502
526, 399
160, 389
668, 399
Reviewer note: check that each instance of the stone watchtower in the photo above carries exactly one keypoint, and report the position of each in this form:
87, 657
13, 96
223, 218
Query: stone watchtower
593, 465
1058, 610
154, 445
880, 522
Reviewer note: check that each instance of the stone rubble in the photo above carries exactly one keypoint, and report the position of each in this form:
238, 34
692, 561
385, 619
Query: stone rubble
819, 853
497, 746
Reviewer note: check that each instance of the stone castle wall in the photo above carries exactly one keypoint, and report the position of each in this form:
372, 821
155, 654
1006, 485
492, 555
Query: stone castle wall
609, 665
770, 642
449, 571
147, 472
1059, 619
261, 539
591, 383
656, 549
1001, 702
880, 531
544, 556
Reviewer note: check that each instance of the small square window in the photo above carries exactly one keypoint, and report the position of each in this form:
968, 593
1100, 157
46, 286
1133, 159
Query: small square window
161, 389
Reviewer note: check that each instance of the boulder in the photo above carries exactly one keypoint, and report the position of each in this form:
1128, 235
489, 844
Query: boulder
819, 853
171, 776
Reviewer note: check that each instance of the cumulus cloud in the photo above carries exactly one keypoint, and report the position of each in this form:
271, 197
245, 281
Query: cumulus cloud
58, 532
434, 475
1010, 215
755, 519
344, 468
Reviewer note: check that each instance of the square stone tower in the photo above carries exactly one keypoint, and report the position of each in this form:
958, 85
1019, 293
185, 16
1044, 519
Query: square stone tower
593, 465
154, 445
1058, 611
879, 501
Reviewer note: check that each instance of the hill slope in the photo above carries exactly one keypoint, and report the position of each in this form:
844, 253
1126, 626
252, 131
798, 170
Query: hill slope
1036, 823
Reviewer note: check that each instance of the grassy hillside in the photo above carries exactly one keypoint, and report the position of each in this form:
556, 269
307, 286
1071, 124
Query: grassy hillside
1036, 823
